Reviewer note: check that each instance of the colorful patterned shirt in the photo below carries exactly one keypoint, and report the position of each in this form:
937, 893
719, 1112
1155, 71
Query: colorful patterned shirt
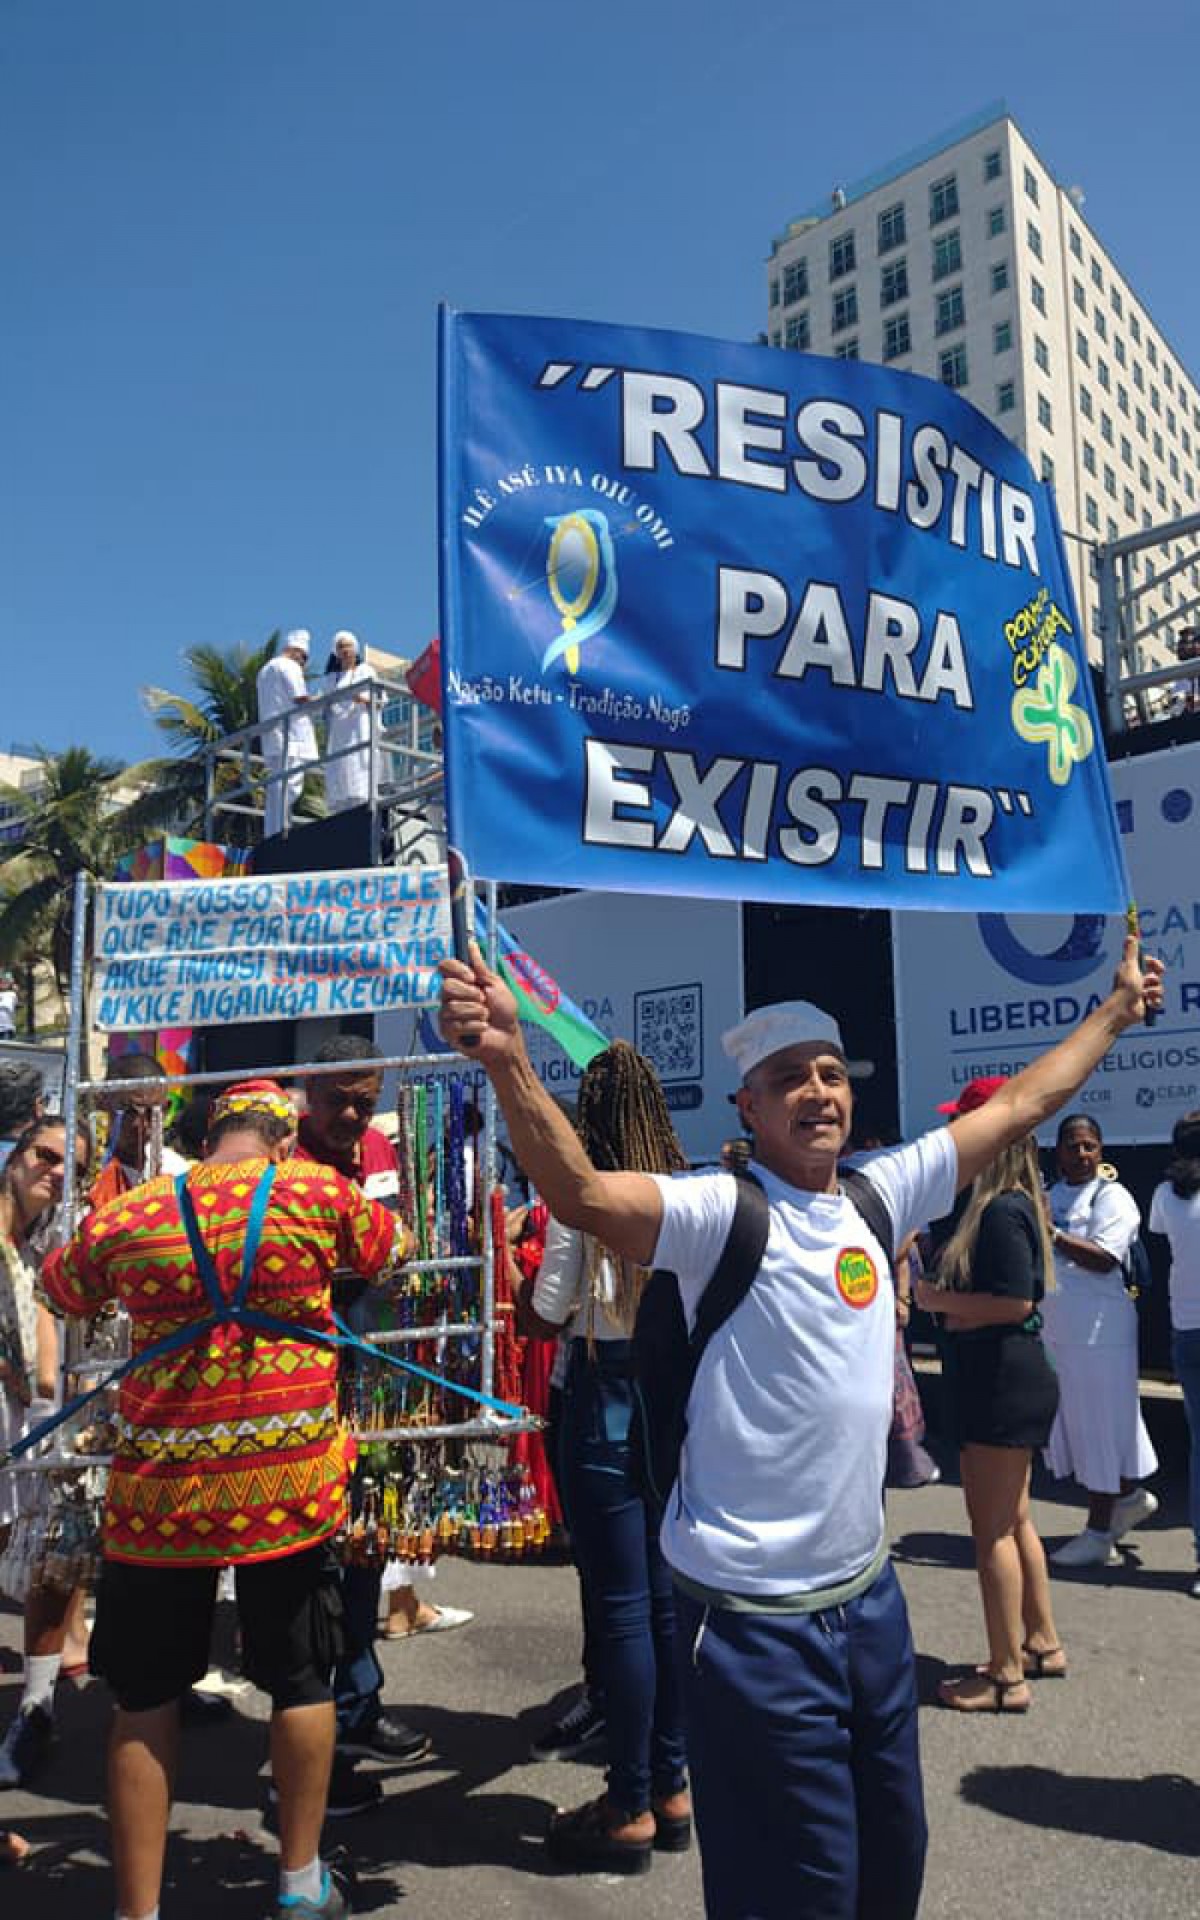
231, 1448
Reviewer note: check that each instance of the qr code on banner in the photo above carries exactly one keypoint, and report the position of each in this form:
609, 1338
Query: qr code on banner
669, 1030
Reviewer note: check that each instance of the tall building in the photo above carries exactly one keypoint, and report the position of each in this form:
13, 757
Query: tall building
968, 262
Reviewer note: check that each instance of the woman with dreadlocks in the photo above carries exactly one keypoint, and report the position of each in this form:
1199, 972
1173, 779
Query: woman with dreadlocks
593, 1297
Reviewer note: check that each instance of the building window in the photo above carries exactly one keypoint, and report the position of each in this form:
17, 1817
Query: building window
1168, 376
1041, 353
1037, 293
1144, 476
1160, 494
1075, 243
947, 254
1035, 240
1110, 483
1097, 276
893, 283
1173, 465
992, 164
1114, 294
1100, 324
1091, 513
845, 309
995, 222
952, 366
1126, 450
1139, 421
1102, 374
775, 290
1127, 503
950, 312
1106, 428
1085, 402
1031, 186
1119, 349
1078, 295
1135, 329
1151, 352
1002, 336
1155, 402
846, 349
897, 339
1139, 378
943, 199
795, 282
1157, 442
797, 332
841, 255
1089, 457
1123, 399
999, 276
1171, 421
1082, 353
1045, 416
1047, 469
891, 227
1006, 397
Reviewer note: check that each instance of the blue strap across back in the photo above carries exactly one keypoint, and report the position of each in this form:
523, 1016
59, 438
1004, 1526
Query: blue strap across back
223, 1312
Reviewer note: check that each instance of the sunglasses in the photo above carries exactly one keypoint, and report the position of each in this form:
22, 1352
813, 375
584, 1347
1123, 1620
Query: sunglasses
50, 1157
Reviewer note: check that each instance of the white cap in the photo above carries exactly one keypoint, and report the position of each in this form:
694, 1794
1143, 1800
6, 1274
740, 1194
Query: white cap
300, 638
787, 1023
344, 633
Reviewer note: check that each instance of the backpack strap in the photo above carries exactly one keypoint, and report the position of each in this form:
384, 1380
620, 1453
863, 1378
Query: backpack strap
202, 1258
867, 1200
733, 1276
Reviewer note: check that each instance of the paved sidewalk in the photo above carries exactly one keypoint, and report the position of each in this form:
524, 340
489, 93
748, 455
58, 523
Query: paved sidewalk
1087, 1805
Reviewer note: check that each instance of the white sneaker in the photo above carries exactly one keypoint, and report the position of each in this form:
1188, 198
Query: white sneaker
1130, 1511
1087, 1549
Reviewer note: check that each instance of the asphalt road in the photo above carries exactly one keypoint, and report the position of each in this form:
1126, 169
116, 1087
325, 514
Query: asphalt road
1087, 1805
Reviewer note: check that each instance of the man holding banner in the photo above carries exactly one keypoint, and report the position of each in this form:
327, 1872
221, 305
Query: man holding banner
797, 1662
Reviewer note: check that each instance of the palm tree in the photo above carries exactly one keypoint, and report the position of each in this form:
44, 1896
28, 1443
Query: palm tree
71, 822
225, 701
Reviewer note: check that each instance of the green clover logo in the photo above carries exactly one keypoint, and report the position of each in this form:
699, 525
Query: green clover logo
1042, 710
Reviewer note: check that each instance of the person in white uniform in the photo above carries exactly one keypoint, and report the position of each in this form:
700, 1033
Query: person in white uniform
1175, 1212
1091, 1335
796, 1659
348, 742
287, 747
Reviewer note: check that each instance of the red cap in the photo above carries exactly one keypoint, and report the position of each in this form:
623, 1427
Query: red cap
976, 1093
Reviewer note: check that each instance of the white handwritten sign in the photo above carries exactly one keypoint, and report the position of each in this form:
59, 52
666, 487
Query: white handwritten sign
284, 947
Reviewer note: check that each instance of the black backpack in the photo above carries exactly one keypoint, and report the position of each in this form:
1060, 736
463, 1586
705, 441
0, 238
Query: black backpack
665, 1357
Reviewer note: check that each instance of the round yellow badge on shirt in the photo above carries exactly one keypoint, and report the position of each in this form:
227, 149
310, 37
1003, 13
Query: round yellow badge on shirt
857, 1277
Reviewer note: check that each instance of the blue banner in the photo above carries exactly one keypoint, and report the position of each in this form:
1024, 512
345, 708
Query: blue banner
726, 620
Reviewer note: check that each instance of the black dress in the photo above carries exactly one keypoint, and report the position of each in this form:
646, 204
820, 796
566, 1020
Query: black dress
1003, 1391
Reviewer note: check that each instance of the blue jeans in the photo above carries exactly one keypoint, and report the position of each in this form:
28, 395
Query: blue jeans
1185, 1358
630, 1601
806, 1775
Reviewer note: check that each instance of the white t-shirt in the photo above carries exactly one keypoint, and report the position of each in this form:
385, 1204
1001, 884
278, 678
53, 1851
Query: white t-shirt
560, 1292
280, 685
781, 1478
1086, 1308
1180, 1221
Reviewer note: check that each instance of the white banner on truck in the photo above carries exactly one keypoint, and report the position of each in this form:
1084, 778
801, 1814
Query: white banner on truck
663, 974
982, 995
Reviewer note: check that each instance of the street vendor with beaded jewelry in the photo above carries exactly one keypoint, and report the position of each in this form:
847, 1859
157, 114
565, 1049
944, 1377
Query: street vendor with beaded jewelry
229, 1451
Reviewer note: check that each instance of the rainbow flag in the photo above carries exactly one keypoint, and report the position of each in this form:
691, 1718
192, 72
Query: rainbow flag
539, 997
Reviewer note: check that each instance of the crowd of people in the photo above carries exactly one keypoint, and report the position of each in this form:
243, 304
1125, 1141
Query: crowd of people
747, 1660
288, 738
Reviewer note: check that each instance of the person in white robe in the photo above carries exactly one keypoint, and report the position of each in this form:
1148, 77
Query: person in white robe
348, 745
288, 746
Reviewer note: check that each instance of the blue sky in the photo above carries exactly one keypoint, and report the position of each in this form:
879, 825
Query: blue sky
226, 226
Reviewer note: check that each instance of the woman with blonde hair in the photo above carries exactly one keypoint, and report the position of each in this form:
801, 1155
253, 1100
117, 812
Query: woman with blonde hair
591, 1296
1003, 1395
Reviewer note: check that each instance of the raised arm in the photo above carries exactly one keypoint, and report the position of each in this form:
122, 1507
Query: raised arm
1048, 1083
622, 1210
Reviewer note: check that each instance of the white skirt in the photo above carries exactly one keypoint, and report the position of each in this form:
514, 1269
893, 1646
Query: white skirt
1099, 1435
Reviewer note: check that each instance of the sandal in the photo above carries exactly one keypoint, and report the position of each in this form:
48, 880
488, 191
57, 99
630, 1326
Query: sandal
993, 1697
585, 1840
1038, 1656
